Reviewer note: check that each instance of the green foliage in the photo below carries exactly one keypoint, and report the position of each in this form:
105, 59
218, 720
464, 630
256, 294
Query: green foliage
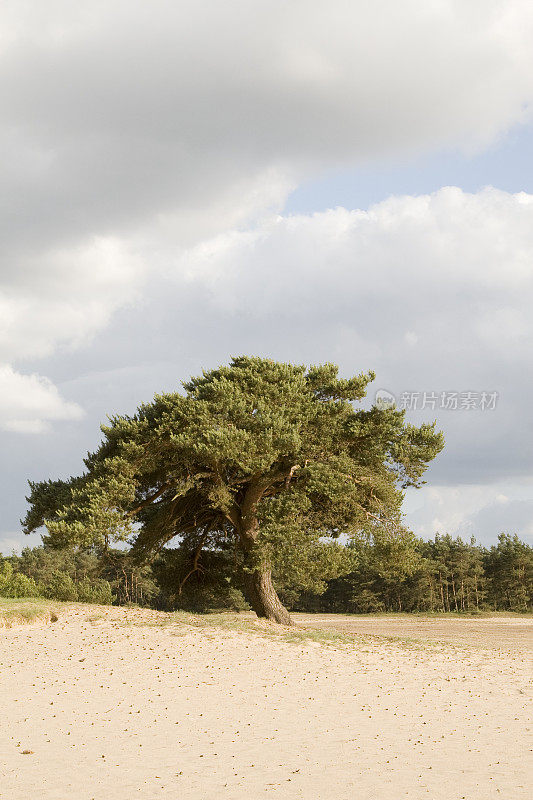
61, 587
67, 574
14, 584
509, 569
46, 497
380, 572
40, 563
97, 591
130, 582
271, 457
402, 573
454, 578
215, 584
384, 564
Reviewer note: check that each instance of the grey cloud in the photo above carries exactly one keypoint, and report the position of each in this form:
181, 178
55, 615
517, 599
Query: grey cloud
123, 111
328, 287
148, 128
512, 517
135, 124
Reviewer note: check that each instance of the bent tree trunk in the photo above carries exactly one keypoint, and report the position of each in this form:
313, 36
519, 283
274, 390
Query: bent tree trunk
263, 598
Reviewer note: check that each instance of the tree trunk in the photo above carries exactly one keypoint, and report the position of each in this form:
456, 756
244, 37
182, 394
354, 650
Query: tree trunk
263, 598
454, 593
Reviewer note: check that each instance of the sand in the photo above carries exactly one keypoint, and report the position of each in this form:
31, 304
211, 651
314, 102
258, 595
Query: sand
512, 634
112, 710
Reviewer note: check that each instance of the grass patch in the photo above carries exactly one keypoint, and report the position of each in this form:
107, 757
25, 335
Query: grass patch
20, 611
181, 622
93, 618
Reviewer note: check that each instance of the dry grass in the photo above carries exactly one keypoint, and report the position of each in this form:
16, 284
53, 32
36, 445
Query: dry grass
411, 631
181, 622
20, 611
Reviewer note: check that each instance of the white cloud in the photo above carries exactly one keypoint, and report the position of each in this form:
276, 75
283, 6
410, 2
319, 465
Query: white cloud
117, 115
501, 498
64, 296
270, 80
419, 259
15, 541
10, 543
29, 402
147, 149
472, 510
60, 298
347, 285
132, 131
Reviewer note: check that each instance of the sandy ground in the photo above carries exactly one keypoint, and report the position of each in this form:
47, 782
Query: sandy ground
111, 710
510, 634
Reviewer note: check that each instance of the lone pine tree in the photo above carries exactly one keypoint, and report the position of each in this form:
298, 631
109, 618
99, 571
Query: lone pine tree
267, 457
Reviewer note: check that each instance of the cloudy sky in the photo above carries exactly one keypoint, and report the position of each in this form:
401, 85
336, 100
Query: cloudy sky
183, 181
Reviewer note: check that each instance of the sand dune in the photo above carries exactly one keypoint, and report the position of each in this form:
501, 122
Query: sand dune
111, 705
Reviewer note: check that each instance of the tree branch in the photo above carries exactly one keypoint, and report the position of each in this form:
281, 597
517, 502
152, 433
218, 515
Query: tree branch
195, 566
149, 500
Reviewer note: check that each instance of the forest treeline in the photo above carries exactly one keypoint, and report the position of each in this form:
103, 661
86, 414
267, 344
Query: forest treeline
445, 574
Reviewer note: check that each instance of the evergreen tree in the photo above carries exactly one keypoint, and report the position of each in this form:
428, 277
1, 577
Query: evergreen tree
186, 582
270, 456
67, 573
384, 560
130, 581
61, 587
14, 584
509, 571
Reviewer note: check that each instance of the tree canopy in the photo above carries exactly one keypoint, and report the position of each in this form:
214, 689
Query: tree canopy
270, 459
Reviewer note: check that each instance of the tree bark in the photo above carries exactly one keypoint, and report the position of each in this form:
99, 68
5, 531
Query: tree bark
263, 598
258, 586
